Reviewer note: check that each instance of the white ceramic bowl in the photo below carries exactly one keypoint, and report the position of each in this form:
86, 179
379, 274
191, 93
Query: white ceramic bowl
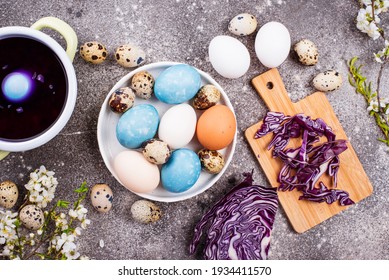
109, 145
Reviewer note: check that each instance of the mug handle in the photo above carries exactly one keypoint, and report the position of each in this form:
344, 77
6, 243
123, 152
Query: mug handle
64, 29
3, 154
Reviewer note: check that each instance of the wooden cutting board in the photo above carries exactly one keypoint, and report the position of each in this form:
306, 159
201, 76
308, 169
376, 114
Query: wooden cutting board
304, 215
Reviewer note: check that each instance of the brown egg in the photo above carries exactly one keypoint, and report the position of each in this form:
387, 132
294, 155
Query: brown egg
216, 127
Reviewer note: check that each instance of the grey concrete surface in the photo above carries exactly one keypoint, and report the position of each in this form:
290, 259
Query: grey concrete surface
180, 31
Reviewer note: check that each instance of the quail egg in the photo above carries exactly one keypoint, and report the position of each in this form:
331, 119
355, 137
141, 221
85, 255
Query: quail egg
142, 83
243, 24
93, 52
31, 217
156, 151
122, 99
206, 97
327, 81
101, 197
307, 52
130, 56
145, 211
211, 161
8, 194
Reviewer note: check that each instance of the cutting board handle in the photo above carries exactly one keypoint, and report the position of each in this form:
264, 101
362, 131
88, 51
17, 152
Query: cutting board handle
270, 87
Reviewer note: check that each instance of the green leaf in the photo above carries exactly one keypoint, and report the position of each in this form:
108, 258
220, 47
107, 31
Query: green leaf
82, 189
63, 203
352, 61
17, 223
351, 81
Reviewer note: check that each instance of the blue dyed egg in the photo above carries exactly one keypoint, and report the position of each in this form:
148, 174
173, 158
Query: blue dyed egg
177, 84
137, 125
181, 172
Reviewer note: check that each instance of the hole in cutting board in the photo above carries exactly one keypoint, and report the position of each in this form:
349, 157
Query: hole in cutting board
269, 85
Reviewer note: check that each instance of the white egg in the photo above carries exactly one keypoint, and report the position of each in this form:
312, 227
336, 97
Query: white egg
135, 172
272, 44
228, 56
178, 125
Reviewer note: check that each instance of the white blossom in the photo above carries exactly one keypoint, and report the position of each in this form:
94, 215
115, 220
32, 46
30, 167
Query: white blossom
85, 223
7, 230
373, 106
373, 31
366, 2
79, 213
41, 186
365, 20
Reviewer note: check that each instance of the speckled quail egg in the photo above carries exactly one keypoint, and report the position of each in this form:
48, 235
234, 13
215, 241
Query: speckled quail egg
142, 83
145, 211
206, 97
327, 81
130, 55
307, 52
243, 24
31, 217
156, 151
101, 197
211, 161
93, 52
122, 99
8, 194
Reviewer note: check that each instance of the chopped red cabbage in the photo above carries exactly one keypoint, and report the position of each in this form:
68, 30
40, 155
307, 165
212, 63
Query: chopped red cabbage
303, 166
241, 223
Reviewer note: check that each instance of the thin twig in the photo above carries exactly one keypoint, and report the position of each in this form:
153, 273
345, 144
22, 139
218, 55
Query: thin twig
37, 247
379, 88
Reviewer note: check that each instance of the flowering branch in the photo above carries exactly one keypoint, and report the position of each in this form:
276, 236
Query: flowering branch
378, 107
55, 237
368, 22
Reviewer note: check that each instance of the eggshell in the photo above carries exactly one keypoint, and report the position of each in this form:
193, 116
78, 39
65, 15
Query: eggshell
177, 84
178, 126
211, 161
272, 44
216, 127
156, 151
93, 52
145, 211
207, 96
101, 197
143, 83
181, 172
135, 172
242, 24
329, 80
31, 217
9, 194
121, 100
130, 55
137, 125
307, 52
228, 56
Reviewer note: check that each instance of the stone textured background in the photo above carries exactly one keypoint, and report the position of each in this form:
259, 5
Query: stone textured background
181, 31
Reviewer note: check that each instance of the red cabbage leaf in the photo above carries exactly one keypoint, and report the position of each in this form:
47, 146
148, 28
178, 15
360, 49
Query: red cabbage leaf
303, 166
240, 223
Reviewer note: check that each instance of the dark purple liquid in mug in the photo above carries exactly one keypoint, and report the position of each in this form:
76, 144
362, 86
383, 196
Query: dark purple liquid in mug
33, 88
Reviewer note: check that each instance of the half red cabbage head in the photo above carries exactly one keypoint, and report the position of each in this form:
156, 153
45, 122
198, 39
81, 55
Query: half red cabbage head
240, 223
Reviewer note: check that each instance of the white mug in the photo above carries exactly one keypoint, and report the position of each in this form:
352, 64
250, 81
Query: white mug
66, 58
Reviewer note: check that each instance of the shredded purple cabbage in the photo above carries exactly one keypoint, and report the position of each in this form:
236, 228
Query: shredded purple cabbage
303, 166
241, 223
